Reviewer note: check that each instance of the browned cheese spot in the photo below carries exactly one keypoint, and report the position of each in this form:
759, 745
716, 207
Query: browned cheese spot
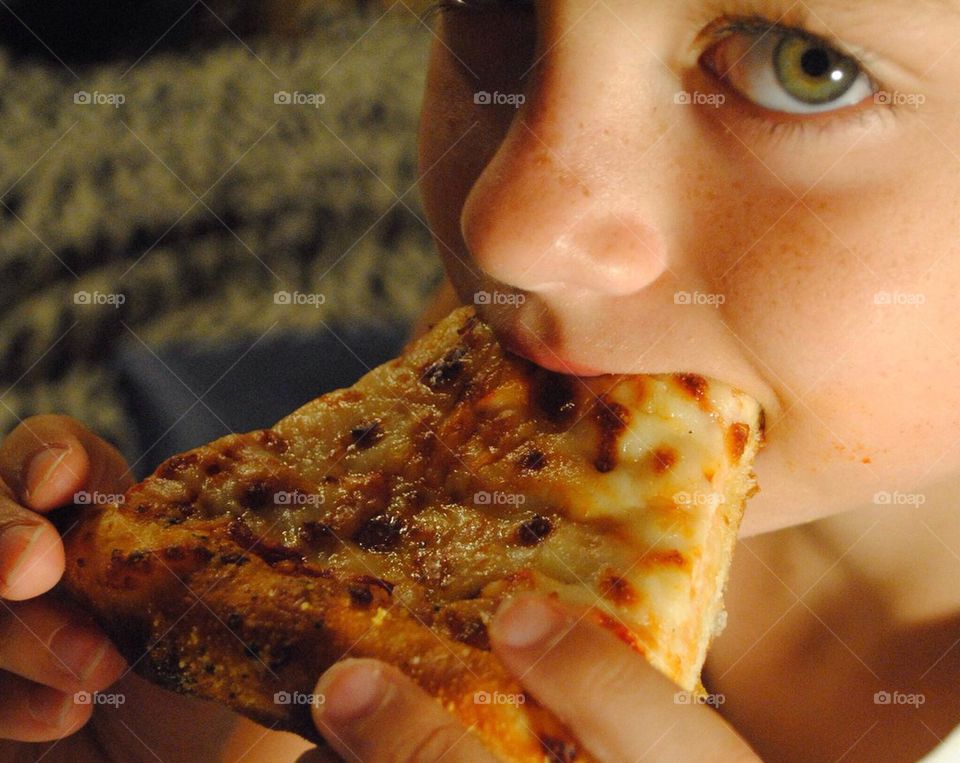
534, 530
365, 435
314, 533
612, 418
467, 630
671, 558
360, 595
258, 493
443, 373
380, 533
533, 460
663, 459
617, 589
271, 440
555, 396
176, 465
693, 384
736, 439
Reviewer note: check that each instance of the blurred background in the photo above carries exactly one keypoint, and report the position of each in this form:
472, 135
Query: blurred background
207, 211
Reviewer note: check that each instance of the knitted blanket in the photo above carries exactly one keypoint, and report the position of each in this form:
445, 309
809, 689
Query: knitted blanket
200, 183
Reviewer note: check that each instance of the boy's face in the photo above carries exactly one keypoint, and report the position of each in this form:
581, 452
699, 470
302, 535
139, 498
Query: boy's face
708, 189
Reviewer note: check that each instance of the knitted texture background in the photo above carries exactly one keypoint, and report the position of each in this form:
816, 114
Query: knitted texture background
193, 184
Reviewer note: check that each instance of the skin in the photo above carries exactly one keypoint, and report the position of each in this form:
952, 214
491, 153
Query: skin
597, 201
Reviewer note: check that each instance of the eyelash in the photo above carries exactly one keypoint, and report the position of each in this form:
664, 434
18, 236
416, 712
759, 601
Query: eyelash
725, 23
730, 23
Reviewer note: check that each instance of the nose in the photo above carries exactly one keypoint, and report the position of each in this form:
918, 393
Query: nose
553, 208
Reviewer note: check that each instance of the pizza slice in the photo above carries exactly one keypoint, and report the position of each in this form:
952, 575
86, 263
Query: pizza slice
390, 519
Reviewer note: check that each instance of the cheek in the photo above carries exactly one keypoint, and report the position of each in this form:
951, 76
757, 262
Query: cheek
849, 303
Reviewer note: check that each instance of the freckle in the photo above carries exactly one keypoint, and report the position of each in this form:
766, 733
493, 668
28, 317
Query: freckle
865, 460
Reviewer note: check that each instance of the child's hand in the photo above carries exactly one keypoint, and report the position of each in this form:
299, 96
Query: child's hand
48, 651
615, 703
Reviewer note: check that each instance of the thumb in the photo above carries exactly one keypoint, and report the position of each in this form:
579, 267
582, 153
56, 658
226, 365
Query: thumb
49, 458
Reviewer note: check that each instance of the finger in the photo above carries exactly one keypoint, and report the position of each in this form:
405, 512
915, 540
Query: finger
612, 699
370, 711
33, 713
48, 458
52, 645
31, 552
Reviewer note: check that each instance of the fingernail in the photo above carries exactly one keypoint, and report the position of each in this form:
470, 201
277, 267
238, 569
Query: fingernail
15, 546
42, 465
525, 622
48, 705
80, 650
350, 692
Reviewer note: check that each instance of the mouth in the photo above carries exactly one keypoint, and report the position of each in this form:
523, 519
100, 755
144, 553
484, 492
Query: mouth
526, 344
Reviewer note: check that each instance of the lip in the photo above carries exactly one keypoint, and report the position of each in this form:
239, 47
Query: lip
520, 344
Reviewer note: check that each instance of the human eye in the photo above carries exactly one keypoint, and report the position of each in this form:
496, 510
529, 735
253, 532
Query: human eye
786, 70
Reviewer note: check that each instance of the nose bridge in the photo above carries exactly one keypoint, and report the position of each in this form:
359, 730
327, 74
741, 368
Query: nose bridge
554, 205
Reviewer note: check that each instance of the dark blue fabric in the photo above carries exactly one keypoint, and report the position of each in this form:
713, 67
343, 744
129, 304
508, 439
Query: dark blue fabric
240, 387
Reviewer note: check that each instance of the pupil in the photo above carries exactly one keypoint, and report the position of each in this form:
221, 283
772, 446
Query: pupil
815, 62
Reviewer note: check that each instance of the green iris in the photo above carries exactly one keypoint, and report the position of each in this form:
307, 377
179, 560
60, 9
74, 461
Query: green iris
811, 71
